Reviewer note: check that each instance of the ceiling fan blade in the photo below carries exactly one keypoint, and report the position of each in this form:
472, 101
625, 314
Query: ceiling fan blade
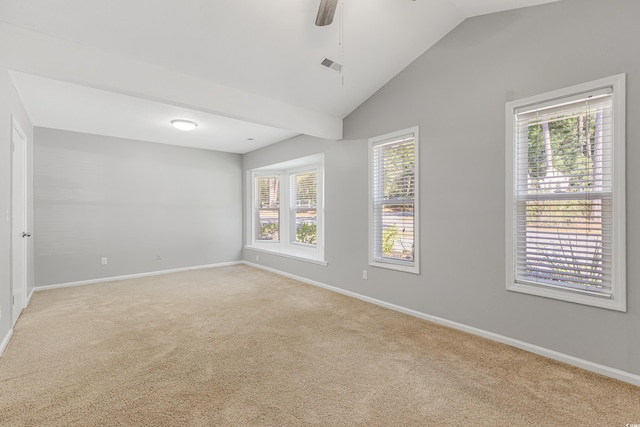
326, 12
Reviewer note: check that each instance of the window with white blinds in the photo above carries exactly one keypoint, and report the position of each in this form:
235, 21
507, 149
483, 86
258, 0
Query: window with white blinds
567, 192
304, 207
394, 201
287, 201
267, 208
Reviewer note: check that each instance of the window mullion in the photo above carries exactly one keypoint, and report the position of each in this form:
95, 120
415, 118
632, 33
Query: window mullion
285, 213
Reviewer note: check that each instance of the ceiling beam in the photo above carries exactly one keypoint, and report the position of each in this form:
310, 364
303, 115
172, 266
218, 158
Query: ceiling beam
39, 54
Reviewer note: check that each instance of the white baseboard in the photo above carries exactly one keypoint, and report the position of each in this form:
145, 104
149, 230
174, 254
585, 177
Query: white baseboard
551, 354
133, 276
5, 341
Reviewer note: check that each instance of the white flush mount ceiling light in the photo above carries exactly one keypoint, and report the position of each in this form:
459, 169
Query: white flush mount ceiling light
185, 125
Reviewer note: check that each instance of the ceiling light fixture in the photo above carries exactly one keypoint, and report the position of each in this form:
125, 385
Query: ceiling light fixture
185, 125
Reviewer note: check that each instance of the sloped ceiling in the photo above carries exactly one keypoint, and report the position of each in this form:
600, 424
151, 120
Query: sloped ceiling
248, 71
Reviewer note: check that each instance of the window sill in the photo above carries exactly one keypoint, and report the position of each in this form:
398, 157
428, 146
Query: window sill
390, 265
568, 295
292, 254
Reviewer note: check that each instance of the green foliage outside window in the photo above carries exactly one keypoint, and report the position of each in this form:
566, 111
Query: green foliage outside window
307, 233
389, 236
570, 149
268, 231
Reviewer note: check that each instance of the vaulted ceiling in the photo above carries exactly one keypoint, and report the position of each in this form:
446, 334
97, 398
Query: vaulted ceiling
248, 71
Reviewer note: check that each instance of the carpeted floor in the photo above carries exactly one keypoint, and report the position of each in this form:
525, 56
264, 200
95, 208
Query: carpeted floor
238, 346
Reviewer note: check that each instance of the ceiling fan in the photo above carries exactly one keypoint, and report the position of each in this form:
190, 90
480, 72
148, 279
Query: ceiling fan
326, 12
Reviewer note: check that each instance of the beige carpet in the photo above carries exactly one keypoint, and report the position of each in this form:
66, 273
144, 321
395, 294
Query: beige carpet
237, 346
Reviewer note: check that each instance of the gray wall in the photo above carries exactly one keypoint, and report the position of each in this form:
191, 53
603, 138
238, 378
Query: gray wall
127, 200
10, 105
456, 93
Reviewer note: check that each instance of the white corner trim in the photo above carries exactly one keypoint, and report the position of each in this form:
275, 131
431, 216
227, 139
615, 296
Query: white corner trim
29, 297
132, 276
5, 341
551, 354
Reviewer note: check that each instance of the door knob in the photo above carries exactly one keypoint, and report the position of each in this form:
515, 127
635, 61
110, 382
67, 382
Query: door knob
25, 234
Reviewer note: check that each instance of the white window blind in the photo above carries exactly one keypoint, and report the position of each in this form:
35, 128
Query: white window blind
393, 192
267, 204
304, 207
563, 185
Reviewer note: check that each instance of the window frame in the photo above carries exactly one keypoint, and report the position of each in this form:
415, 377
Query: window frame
617, 300
286, 246
374, 259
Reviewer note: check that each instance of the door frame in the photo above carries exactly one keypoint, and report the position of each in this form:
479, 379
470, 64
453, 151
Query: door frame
23, 251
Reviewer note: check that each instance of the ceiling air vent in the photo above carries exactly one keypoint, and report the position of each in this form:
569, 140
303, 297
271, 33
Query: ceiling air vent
332, 64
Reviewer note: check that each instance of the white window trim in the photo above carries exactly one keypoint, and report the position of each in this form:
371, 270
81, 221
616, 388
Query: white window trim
618, 300
413, 267
285, 247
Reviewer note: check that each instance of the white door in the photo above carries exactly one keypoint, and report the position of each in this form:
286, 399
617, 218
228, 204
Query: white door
19, 233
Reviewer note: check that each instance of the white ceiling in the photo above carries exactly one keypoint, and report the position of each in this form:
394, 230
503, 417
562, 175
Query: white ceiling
241, 69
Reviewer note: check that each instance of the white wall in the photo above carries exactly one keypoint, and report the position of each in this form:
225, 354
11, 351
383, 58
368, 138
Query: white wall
128, 200
456, 93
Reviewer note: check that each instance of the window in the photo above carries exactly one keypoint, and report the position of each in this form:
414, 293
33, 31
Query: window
393, 201
287, 205
267, 208
304, 207
565, 194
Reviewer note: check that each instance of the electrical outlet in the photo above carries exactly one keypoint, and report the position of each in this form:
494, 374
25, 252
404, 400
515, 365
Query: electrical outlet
365, 275
104, 260
158, 257
257, 258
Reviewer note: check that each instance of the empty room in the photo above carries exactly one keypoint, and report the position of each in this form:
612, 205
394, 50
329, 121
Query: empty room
319, 212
